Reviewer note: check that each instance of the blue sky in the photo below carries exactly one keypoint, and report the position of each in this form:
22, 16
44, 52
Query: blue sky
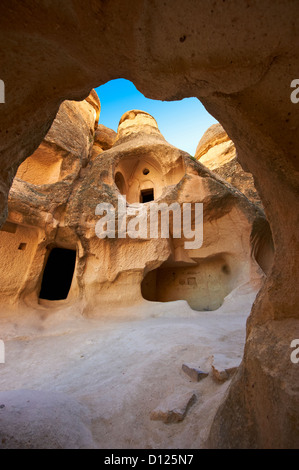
182, 123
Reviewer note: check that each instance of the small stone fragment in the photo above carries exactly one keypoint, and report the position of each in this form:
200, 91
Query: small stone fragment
219, 375
223, 368
194, 372
174, 408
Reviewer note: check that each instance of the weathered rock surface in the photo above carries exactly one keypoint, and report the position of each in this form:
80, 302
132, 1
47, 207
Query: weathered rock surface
104, 138
239, 59
66, 147
223, 368
140, 166
194, 372
174, 408
217, 152
258, 374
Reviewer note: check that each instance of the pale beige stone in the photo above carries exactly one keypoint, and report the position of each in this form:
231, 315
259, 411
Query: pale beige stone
217, 152
174, 408
223, 368
34, 419
125, 271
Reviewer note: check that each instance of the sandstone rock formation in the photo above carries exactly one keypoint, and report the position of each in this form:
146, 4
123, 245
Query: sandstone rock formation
217, 152
239, 59
38, 198
104, 138
223, 368
51, 245
67, 146
194, 372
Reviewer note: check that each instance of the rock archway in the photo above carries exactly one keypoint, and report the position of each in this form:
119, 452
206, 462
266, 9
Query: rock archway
239, 59
140, 176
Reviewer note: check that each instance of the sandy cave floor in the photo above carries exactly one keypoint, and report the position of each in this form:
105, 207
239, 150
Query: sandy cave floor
94, 382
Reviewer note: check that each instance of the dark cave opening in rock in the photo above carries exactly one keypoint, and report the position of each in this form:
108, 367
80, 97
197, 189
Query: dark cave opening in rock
58, 274
147, 195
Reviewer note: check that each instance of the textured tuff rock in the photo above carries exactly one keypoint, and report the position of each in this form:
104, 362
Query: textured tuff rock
217, 152
66, 147
223, 367
139, 169
239, 59
213, 136
104, 138
174, 408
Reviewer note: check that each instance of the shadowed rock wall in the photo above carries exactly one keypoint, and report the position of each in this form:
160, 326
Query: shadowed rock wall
239, 59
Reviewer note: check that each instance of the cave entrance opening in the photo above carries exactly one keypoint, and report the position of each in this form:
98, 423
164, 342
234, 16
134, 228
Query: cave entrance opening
147, 195
58, 274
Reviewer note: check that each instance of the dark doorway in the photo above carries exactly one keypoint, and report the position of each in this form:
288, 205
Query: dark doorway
147, 195
58, 274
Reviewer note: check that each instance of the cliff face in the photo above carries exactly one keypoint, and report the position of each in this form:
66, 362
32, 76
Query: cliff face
54, 221
217, 152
